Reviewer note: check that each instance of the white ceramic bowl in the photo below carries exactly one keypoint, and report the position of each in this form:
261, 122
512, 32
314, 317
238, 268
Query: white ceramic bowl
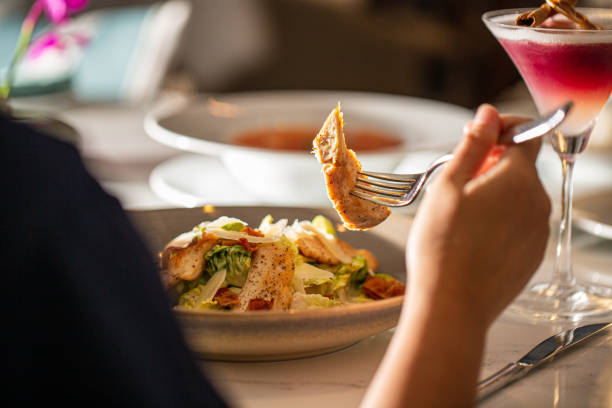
206, 125
268, 335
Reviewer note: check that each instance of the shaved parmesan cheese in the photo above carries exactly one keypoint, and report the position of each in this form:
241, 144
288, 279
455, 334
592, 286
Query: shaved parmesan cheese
307, 272
183, 240
274, 229
221, 221
215, 227
305, 228
212, 286
236, 235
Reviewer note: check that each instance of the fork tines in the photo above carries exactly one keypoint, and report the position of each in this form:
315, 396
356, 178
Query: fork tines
394, 190
386, 188
390, 184
396, 178
377, 199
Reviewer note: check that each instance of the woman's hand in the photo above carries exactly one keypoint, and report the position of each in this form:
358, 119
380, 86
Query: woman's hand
477, 240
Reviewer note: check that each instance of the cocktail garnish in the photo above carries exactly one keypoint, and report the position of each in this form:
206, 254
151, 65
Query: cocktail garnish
536, 17
567, 9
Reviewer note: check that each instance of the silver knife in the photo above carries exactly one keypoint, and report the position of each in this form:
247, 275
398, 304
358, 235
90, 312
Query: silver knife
538, 355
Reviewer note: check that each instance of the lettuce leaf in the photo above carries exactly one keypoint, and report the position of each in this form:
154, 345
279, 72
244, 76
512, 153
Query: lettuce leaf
234, 226
234, 259
324, 224
358, 269
341, 281
311, 275
302, 301
201, 296
384, 276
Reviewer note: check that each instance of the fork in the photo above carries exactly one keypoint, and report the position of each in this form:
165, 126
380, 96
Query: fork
400, 190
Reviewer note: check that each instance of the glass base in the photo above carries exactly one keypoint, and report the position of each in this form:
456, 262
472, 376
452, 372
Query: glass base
551, 302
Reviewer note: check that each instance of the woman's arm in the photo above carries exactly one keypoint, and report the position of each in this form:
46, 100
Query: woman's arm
474, 244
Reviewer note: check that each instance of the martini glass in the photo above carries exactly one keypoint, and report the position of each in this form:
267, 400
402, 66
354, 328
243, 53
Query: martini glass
560, 64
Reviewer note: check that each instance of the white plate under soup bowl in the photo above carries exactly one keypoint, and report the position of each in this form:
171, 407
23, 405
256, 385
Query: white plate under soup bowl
208, 125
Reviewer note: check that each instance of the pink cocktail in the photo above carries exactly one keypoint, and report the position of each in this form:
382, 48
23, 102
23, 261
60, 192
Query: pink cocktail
557, 72
559, 62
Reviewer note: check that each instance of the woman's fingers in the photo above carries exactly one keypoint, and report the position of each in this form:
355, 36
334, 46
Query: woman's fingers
528, 149
478, 152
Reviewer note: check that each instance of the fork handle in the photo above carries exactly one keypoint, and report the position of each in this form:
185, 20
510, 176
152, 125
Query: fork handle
439, 161
525, 131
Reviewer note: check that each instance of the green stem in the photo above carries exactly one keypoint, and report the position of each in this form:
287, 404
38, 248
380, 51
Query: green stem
25, 35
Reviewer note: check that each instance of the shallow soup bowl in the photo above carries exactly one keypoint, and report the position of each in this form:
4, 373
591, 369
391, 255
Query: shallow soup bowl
264, 139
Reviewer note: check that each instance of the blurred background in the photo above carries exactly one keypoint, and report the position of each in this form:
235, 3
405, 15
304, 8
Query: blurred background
431, 49
129, 54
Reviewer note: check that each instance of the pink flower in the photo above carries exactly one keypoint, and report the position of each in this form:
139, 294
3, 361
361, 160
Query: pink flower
55, 40
43, 42
59, 10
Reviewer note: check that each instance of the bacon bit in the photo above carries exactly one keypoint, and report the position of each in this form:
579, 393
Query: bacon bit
241, 241
380, 288
247, 245
260, 304
204, 236
226, 298
228, 242
253, 232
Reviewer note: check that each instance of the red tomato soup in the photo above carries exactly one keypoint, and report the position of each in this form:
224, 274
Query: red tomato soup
300, 139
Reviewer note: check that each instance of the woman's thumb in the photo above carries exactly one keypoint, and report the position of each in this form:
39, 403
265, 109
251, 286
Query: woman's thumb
480, 135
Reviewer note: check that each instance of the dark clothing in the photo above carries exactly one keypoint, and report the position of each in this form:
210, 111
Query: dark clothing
88, 321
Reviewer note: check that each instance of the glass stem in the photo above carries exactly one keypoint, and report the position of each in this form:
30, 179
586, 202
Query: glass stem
563, 275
